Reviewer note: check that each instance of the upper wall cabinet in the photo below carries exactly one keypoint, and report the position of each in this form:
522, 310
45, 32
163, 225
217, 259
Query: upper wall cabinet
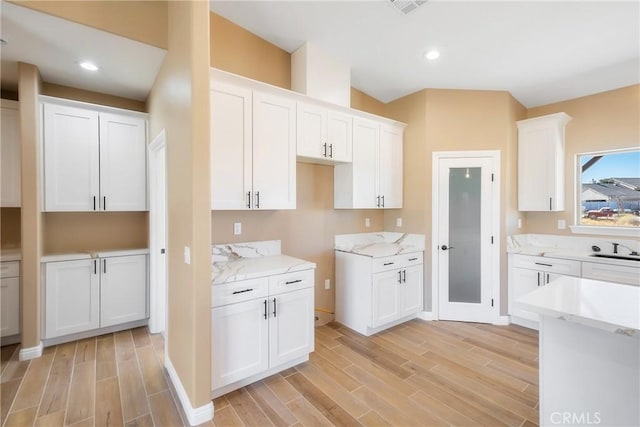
323, 135
94, 160
10, 155
253, 149
541, 159
374, 178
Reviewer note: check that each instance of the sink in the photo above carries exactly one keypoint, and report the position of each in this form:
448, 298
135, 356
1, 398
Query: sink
616, 256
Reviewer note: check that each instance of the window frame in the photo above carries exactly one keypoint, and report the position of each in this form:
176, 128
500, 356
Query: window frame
603, 230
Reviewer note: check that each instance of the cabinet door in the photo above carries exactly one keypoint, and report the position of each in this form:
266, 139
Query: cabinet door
365, 145
411, 290
231, 140
312, 131
521, 282
123, 289
390, 167
9, 306
340, 136
240, 341
72, 297
385, 297
123, 163
71, 159
10, 155
291, 330
274, 152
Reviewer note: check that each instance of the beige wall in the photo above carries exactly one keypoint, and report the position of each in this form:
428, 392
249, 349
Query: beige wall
29, 86
9, 228
59, 91
605, 121
179, 103
144, 21
306, 232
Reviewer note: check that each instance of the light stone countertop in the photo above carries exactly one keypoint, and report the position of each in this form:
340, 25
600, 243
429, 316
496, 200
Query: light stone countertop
377, 245
604, 305
90, 255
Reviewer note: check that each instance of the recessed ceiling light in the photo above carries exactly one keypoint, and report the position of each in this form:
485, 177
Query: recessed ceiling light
432, 55
89, 66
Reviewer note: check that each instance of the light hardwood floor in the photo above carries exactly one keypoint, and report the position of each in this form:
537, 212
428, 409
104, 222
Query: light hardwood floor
416, 374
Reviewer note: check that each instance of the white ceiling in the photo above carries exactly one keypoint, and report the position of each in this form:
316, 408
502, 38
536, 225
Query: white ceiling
540, 51
127, 68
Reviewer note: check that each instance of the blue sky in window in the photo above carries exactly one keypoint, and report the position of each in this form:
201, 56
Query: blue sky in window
616, 165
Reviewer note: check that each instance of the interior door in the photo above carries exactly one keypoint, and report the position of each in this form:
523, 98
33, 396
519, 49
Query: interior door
464, 239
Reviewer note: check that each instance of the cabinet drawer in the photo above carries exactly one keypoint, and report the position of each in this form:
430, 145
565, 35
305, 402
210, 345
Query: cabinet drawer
291, 281
242, 290
396, 261
9, 269
552, 265
611, 273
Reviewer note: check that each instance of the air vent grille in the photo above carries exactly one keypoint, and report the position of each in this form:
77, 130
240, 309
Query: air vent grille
406, 6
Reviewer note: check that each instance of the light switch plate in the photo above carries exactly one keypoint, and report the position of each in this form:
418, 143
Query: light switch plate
398, 222
237, 228
562, 224
187, 255
367, 222
327, 283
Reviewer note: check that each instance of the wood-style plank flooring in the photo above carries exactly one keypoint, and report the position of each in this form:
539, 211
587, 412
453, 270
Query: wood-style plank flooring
416, 374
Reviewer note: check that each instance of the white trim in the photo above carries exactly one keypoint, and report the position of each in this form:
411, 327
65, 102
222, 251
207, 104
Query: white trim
195, 416
30, 352
605, 231
531, 324
426, 315
495, 156
501, 321
157, 300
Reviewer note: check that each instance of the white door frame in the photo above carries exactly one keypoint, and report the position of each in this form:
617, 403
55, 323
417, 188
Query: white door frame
494, 155
158, 279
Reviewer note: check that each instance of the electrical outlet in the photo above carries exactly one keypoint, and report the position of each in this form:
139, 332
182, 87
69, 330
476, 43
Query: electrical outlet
519, 222
187, 255
327, 284
237, 228
562, 224
367, 222
398, 222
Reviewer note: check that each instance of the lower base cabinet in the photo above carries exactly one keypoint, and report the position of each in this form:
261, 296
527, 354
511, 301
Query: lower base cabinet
9, 298
259, 325
86, 294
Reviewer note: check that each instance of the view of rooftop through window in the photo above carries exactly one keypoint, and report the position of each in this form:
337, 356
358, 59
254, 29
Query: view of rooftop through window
610, 189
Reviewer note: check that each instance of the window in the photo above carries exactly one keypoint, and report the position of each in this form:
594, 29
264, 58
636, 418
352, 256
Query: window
609, 190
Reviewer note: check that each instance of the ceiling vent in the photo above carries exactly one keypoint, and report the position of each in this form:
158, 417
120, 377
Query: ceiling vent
406, 6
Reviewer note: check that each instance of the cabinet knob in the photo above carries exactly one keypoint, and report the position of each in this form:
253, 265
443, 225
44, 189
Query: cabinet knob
446, 248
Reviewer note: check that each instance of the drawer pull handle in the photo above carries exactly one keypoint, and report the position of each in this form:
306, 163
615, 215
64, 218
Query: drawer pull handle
242, 291
291, 282
546, 265
388, 263
265, 309
413, 259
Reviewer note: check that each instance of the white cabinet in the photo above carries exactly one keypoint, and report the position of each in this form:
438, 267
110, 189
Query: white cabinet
93, 160
260, 326
611, 273
253, 149
541, 160
373, 294
85, 294
10, 155
323, 135
9, 298
374, 178
526, 273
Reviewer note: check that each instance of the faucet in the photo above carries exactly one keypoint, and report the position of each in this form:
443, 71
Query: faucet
631, 251
615, 247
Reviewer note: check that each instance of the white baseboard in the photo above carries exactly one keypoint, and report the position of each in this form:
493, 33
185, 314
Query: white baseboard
426, 315
31, 352
501, 321
195, 416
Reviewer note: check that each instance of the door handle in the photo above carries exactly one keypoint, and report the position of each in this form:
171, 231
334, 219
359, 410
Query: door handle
104, 202
547, 278
94, 203
383, 201
249, 199
404, 276
331, 150
446, 248
378, 202
265, 309
95, 266
104, 266
324, 153
399, 276
257, 200
274, 308
538, 278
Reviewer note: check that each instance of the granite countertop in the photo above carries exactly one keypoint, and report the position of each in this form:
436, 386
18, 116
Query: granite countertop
241, 261
90, 255
10, 255
377, 245
604, 305
574, 248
